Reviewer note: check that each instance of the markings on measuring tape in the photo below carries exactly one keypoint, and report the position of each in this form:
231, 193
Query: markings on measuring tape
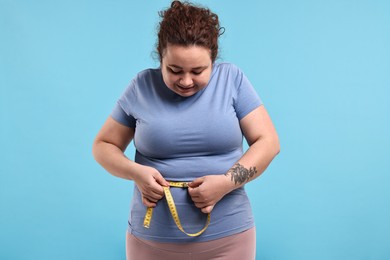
173, 210
148, 217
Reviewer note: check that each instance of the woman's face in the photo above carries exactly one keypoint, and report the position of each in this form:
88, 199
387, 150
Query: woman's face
186, 69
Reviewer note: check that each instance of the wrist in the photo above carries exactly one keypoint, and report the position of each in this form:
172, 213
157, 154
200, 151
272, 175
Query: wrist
136, 171
228, 183
240, 175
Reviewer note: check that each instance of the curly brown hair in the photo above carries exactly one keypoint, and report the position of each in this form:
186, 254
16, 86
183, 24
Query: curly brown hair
186, 24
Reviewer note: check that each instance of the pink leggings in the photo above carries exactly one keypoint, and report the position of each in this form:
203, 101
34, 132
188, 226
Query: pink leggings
240, 246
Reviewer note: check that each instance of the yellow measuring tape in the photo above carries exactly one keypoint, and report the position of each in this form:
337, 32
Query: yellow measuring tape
172, 208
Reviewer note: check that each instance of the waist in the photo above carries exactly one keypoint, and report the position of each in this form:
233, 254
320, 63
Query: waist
231, 214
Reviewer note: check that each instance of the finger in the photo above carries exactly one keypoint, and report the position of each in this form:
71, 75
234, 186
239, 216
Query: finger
195, 191
148, 203
192, 192
196, 183
197, 199
160, 180
155, 193
151, 199
152, 196
153, 189
202, 204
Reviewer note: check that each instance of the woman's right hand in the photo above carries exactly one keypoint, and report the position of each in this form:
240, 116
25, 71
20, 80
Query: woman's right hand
149, 182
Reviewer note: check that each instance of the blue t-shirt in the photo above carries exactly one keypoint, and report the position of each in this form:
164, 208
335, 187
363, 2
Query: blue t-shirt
185, 138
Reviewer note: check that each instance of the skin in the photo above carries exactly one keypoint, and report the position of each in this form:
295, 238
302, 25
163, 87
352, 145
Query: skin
187, 70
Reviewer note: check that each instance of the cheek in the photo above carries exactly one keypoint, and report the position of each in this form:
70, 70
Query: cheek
203, 81
169, 79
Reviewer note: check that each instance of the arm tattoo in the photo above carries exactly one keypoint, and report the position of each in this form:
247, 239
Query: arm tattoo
240, 174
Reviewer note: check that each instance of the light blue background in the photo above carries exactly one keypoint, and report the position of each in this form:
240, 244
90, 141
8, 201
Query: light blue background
321, 67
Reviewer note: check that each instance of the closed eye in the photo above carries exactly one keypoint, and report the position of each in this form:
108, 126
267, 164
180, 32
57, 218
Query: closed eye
177, 72
197, 72
174, 72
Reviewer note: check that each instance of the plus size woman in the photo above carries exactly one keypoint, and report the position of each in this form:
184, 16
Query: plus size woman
187, 120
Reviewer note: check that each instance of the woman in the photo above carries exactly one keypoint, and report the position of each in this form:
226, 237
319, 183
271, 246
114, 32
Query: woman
187, 120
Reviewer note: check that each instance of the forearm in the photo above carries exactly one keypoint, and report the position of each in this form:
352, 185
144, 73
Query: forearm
208, 190
253, 163
113, 159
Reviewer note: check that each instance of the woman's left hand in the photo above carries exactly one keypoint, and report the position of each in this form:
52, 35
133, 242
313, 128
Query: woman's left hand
208, 190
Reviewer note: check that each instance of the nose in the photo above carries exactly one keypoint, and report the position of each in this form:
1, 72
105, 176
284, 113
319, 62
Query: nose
186, 81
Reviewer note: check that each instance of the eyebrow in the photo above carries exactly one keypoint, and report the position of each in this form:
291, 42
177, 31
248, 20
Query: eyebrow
178, 67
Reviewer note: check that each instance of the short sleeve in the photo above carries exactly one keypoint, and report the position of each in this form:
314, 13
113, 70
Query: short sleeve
122, 111
246, 99
119, 115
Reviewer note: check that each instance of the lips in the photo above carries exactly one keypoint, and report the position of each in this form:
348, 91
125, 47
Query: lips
186, 88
